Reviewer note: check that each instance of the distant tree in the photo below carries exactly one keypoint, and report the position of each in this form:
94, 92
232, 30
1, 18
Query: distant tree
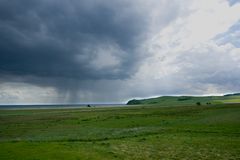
134, 102
198, 103
88, 105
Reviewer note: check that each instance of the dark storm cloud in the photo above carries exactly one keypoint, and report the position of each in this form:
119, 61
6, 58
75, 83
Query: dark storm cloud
51, 38
75, 50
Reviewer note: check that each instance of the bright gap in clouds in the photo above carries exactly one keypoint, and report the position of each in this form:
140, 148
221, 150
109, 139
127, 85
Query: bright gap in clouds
185, 56
116, 50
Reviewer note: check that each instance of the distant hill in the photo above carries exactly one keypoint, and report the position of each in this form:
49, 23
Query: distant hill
234, 94
187, 100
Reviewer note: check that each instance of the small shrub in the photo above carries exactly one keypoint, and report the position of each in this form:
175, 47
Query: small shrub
198, 103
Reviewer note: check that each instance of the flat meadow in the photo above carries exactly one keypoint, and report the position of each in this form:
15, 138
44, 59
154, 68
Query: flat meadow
132, 132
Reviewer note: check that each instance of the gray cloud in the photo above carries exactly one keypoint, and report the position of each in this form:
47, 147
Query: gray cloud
110, 51
232, 2
60, 39
231, 36
67, 44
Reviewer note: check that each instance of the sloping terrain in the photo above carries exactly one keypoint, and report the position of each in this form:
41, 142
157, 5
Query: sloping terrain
188, 100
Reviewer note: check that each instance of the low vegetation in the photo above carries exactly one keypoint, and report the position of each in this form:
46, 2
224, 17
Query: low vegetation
135, 132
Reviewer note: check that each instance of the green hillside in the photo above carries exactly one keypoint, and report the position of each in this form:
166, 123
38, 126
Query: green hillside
188, 100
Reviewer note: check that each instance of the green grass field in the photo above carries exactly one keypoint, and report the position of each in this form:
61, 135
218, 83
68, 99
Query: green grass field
133, 132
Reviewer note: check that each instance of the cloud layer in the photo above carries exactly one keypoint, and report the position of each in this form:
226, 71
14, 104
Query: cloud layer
110, 51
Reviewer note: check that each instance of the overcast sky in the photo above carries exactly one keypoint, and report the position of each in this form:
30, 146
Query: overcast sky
105, 51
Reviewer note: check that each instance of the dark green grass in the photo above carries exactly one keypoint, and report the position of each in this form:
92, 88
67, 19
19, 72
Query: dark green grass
139, 132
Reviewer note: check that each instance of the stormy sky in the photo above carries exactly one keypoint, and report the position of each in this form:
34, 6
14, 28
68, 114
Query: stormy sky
105, 51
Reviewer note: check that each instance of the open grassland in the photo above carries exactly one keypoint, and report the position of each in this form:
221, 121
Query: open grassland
135, 132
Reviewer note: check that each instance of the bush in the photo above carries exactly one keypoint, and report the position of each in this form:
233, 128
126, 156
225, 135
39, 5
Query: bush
198, 103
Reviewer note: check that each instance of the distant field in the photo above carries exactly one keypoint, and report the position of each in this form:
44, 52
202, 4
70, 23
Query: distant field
135, 132
187, 100
230, 99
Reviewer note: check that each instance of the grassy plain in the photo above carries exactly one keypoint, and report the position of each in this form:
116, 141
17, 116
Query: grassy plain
133, 132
